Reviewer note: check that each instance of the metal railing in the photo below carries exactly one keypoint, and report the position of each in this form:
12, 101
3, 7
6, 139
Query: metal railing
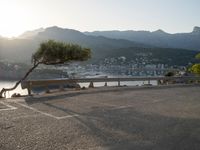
61, 82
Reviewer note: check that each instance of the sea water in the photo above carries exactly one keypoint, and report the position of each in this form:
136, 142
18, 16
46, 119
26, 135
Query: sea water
9, 84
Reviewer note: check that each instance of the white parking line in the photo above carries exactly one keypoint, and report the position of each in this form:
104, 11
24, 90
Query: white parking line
122, 107
68, 116
7, 105
26, 116
47, 114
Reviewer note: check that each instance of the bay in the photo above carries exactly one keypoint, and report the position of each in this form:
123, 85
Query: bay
9, 84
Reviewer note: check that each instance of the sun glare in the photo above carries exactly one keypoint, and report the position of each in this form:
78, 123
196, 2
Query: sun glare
12, 17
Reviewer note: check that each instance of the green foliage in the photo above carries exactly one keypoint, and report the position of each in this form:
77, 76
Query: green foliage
197, 56
170, 74
52, 52
195, 69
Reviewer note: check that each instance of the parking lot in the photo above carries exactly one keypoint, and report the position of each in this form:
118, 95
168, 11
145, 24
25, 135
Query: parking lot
103, 119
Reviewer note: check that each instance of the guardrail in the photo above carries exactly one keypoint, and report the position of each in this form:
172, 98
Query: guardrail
61, 82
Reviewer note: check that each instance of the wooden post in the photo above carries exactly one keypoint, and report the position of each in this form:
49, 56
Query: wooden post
47, 89
91, 85
29, 88
118, 82
158, 82
62, 87
29, 91
106, 84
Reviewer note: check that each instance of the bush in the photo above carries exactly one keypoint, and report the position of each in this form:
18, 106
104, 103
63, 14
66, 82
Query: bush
195, 69
169, 74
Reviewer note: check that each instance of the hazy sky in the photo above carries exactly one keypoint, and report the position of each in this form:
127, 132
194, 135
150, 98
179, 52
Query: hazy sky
172, 16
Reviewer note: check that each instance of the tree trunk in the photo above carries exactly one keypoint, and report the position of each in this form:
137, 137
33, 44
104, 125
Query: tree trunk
4, 90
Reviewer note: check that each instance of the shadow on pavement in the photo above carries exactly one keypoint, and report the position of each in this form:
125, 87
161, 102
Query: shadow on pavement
126, 128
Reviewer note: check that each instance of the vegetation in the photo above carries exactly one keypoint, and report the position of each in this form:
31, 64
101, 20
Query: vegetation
53, 53
20, 50
197, 56
170, 74
196, 67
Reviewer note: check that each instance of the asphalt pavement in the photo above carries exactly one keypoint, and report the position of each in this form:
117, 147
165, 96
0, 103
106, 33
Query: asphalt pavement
103, 119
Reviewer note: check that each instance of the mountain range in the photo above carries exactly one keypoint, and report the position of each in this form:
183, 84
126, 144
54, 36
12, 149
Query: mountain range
105, 43
157, 38
22, 47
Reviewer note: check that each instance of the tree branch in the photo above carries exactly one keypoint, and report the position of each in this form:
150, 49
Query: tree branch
4, 90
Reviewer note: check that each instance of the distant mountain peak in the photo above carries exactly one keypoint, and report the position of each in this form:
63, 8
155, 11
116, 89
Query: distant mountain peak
59, 30
196, 29
54, 28
159, 31
30, 34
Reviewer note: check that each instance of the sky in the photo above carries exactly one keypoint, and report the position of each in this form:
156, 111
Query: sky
173, 16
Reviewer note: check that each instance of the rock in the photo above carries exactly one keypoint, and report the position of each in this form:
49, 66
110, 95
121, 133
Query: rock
83, 88
16, 95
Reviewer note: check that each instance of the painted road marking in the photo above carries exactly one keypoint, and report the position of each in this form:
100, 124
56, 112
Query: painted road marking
122, 107
68, 116
7, 105
47, 114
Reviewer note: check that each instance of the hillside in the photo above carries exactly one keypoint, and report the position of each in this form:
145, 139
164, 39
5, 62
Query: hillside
138, 55
21, 48
157, 38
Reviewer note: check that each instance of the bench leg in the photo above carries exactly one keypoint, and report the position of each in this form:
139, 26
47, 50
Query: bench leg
91, 85
29, 91
47, 90
119, 83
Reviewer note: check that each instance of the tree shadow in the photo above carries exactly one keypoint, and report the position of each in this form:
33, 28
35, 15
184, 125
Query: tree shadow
127, 128
130, 129
64, 95
40, 99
